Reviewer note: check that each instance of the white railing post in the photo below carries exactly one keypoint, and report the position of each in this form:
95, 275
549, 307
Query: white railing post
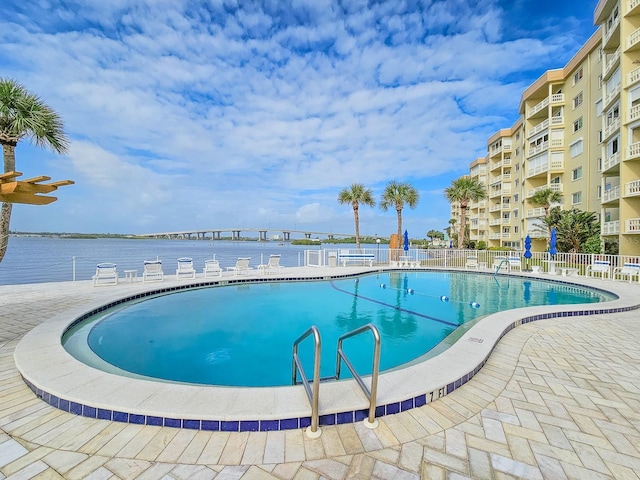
73, 262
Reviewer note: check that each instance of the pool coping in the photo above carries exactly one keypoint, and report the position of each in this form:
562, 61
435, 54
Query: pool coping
68, 384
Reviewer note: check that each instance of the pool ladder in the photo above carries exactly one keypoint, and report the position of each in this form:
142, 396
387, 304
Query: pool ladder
313, 389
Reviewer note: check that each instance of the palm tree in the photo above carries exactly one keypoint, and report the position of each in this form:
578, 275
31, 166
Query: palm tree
463, 191
545, 198
23, 114
396, 195
355, 195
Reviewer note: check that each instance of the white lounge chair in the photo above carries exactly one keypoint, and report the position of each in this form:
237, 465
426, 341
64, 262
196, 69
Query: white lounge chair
273, 265
152, 271
106, 274
515, 263
627, 270
185, 268
242, 265
599, 267
472, 262
212, 269
500, 262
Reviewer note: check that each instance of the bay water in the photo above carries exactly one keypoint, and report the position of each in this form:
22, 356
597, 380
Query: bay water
37, 259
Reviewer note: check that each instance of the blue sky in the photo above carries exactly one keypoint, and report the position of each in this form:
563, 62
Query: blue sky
223, 113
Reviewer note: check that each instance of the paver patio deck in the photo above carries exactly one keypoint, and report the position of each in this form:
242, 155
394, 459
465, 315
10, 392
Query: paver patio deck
557, 399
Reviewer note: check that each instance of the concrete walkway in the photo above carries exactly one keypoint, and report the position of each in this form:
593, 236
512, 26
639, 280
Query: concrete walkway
558, 399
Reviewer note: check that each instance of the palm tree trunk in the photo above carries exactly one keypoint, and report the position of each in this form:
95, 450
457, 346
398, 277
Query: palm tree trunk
356, 218
399, 210
463, 221
9, 157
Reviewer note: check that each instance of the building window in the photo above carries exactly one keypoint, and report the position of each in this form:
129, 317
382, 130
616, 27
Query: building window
577, 100
577, 76
576, 148
599, 107
577, 125
515, 198
599, 81
576, 198
599, 164
517, 151
599, 136
515, 229
515, 215
576, 173
599, 191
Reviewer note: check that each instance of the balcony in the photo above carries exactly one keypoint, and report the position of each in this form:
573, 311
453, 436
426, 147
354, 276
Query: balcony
556, 165
632, 188
612, 61
633, 151
554, 99
535, 212
557, 120
633, 5
612, 128
633, 76
495, 236
538, 128
537, 170
610, 228
611, 27
611, 96
554, 187
501, 163
611, 195
633, 226
633, 40
495, 221
611, 161
634, 113
557, 143
538, 149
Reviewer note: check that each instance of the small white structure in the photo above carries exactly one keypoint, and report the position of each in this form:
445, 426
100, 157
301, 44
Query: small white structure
106, 274
242, 265
185, 268
212, 269
152, 271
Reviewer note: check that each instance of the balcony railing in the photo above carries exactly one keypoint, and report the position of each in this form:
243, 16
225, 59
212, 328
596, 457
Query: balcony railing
539, 148
632, 4
610, 228
557, 120
557, 98
612, 60
557, 142
611, 28
611, 96
613, 126
611, 194
537, 170
633, 39
633, 225
633, 76
632, 188
557, 164
538, 128
554, 187
633, 150
634, 112
535, 212
611, 161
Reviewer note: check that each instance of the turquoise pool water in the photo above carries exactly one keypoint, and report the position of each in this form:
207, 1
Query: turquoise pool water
242, 335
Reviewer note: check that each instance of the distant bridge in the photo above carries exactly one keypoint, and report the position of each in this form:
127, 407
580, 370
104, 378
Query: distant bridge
216, 233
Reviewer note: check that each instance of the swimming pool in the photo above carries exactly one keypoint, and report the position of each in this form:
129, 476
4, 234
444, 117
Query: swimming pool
242, 335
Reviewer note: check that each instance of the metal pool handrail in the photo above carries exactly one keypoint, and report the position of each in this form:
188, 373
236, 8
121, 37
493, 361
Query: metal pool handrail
371, 395
297, 365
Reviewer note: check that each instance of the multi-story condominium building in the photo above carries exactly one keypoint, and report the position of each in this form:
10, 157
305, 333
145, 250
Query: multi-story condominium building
578, 134
620, 184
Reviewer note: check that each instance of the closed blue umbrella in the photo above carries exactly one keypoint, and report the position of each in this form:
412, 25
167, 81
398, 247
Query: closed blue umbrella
552, 242
527, 250
405, 246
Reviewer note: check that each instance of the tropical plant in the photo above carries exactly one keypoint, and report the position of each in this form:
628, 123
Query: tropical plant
463, 191
396, 195
432, 234
355, 195
24, 115
545, 198
577, 231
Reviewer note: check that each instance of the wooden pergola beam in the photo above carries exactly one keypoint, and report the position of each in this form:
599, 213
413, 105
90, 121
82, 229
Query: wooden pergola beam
26, 191
27, 198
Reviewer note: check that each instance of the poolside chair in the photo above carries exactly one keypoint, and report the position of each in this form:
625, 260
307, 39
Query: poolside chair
212, 269
515, 263
501, 263
599, 267
106, 274
242, 265
472, 262
152, 271
185, 268
272, 266
627, 270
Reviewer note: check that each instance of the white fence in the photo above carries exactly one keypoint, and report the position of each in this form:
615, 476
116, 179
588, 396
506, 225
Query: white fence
453, 258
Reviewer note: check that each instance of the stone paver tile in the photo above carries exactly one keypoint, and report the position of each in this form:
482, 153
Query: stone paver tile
234, 449
82, 470
590, 458
564, 455
232, 472
193, 472
332, 443
411, 456
157, 444
192, 453
623, 442
118, 441
520, 450
306, 474
127, 469
361, 467
294, 446
254, 449
610, 457
550, 468
30, 471
455, 443
385, 435
493, 430
479, 464
350, 439
213, 449
286, 471
384, 471
433, 472
524, 432
10, 450
157, 470
178, 444
387, 455
96, 443
367, 436
414, 428
398, 429
517, 469
274, 447
575, 472
447, 461
63, 461
100, 473
313, 448
138, 442
327, 468
486, 445
556, 437
420, 415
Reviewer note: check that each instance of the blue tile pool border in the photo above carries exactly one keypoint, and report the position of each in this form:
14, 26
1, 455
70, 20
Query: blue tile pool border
90, 411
